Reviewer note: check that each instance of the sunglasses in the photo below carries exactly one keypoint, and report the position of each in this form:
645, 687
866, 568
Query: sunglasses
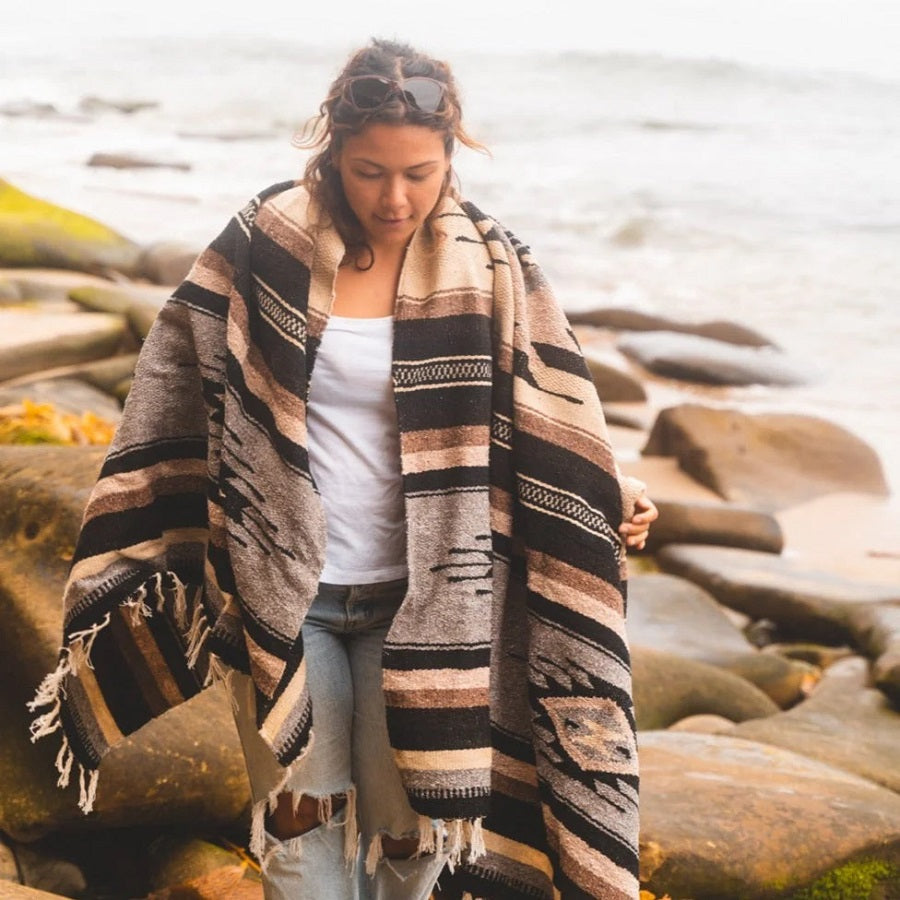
368, 92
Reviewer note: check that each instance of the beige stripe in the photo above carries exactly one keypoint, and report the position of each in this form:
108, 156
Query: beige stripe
471, 301
212, 272
444, 760
438, 699
284, 706
521, 853
93, 565
595, 873
100, 711
442, 384
159, 673
429, 679
285, 230
267, 669
127, 489
605, 606
591, 445
447, 458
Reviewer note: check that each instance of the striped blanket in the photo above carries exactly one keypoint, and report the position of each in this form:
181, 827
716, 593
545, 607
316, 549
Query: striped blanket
506, 669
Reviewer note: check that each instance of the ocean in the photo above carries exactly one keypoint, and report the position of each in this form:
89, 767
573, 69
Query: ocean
696, 188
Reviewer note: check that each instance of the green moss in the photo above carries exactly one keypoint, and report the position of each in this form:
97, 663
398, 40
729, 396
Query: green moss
25, 435
852, 881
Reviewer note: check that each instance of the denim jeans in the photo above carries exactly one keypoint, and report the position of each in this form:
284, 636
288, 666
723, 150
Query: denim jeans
343, 635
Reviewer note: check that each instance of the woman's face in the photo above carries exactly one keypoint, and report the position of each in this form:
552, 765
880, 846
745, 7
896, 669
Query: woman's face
392, 177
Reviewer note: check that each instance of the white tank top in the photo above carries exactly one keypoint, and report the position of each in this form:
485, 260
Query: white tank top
354, 452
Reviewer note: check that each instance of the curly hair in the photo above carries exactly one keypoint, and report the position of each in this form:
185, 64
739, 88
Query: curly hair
338, 119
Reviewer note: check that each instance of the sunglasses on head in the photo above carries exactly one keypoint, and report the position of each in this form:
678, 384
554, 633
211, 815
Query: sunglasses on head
368, 92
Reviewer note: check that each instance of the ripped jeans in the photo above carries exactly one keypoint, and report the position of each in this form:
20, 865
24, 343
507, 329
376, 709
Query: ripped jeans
350, 755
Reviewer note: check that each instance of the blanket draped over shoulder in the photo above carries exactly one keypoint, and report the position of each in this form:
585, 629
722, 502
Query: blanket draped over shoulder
506, 669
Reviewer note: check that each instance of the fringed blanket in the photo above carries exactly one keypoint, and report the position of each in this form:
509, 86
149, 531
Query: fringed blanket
506, 669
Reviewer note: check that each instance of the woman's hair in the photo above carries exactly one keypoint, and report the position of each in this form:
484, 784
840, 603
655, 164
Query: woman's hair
338, 119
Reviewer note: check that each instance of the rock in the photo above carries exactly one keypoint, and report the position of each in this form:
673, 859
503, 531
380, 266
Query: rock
66, 394
227, 883
167, 262
183, 768
34, 232
843, 722
723, 817
675, 616
92, 105
805, 602
633, 320
138, 303
175, 860
668, 688
818, 655
34, 341
876, 631
48, 872
731, 525
9, 292
11, 891
102, 374
689, 357
130, 161
122, 389
50, 284
227, 136
9, 870
28, 109
770, 460
703, 724
613, 382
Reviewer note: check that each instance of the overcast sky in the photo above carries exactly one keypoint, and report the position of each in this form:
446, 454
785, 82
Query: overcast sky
856, 35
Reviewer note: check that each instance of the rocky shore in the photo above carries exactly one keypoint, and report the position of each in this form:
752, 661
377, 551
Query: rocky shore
764, 616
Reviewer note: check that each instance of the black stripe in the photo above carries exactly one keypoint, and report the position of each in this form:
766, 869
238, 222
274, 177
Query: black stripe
142, 456
440, 479
441, 728
411, 660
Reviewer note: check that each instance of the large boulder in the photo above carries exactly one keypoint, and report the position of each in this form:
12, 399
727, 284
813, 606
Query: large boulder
844, 723
668, 688
770, 460
167, 262
726, 524
613, 381
140, 304
689, 357
70, 395
623, 319
806, 602
184, 767
34, 232
33, 341
723, 817
675, 616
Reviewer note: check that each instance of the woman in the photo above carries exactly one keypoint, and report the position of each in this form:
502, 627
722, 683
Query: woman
409, 568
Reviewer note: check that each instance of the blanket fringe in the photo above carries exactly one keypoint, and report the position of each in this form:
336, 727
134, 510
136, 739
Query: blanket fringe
77, 652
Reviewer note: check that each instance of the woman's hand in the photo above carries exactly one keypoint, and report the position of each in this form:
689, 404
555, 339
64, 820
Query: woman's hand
637, 530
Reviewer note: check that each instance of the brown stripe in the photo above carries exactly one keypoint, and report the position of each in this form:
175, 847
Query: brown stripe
439, 438
457, 302
592, 446
437, 699
127, 490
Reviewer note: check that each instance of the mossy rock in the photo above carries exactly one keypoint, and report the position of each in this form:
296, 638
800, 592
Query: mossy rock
865, 879
34, 232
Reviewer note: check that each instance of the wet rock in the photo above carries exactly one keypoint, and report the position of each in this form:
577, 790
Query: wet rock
184, 767
35, 341
805, 602
34, 232
620, 319
724, 817
729, 525
844, 723
131, 161
167, 262
613, 382
668, 688
689, 357
769, 460
66, 394
675, 616
91, 105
